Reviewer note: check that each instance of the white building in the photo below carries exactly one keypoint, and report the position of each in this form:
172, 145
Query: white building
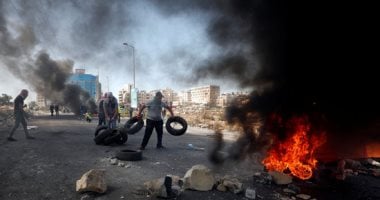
205, 94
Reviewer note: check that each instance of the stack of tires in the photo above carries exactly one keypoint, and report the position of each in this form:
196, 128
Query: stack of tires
106, 136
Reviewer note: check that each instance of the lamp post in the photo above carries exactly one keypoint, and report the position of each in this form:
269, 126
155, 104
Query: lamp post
134, 80
134, 67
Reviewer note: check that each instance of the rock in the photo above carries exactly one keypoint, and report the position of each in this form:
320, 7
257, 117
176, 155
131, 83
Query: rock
113, 161
157, 187
286, 190
92, 181
250, 193
303, 196
221, 188
280, 178
200, 178
232, 184
373, 162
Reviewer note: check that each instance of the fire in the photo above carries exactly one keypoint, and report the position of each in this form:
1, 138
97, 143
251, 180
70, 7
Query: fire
296, 152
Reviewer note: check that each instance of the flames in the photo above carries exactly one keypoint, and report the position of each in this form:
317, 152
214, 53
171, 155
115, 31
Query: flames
295, 153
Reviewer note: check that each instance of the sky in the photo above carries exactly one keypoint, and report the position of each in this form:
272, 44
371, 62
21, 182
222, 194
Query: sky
176, 43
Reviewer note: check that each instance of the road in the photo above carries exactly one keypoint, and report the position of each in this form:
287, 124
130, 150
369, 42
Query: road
48, 167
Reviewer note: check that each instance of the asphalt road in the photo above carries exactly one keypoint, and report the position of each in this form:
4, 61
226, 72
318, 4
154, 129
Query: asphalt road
48, 167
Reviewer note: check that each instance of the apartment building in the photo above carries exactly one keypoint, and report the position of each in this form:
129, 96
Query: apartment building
205, 94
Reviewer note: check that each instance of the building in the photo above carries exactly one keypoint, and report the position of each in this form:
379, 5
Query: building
205, 95
87, 82
225, 99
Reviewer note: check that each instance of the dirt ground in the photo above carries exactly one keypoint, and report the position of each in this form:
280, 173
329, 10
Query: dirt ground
48, 167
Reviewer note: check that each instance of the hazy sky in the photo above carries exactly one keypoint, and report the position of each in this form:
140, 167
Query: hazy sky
172, 41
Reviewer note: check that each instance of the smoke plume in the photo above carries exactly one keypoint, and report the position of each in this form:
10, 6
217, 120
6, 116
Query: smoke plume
46, 76
297, 60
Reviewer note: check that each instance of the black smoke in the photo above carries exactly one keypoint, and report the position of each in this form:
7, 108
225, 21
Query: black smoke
46, 76
302, 59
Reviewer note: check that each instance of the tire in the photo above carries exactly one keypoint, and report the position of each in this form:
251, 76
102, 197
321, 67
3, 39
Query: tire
112, 137
100, 129
99, 139
129, 155
123, 137
134, 125
175, 131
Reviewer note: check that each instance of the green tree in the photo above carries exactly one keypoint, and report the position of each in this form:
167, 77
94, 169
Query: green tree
5, 99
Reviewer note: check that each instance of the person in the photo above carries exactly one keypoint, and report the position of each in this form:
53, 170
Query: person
20, 115
51, 109
56, 108
154, 120
110, 110
102, 120
88, 117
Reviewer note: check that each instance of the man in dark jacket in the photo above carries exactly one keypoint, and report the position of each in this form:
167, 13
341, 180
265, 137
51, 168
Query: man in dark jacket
20, 115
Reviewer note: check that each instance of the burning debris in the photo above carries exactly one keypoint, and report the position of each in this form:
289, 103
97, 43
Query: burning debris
301, 105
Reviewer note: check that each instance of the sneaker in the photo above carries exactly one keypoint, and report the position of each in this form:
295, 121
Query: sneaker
160, 147
142, 148
30, 137
11, 139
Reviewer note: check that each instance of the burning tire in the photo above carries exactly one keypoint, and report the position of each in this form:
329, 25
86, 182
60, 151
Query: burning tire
176, 125
133, 125
99, 139
129, 155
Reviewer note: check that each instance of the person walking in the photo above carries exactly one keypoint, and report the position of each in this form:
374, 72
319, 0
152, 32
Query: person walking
56, 108
51, 109
101, 116
20, 115
154, 120
110, 110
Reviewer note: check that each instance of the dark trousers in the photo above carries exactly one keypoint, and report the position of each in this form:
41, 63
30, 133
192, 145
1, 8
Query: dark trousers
150, 125
102, 119
19, 118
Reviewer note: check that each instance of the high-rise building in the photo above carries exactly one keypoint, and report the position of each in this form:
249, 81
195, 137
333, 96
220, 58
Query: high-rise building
87, 82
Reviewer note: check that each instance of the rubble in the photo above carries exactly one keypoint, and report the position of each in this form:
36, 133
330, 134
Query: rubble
230, 184
92, 181
281, 178
200, 178
158, 188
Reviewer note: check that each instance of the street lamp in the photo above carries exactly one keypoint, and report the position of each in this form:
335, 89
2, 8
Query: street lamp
133, 91
134, 67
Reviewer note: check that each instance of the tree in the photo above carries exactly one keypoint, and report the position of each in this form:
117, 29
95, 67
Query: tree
5, 99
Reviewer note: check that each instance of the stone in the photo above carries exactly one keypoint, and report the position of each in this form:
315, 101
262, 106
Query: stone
200, 178
281, 178
221, 188
250, 193
113, 161
92, 181
232, 184
303, 196
157, 187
